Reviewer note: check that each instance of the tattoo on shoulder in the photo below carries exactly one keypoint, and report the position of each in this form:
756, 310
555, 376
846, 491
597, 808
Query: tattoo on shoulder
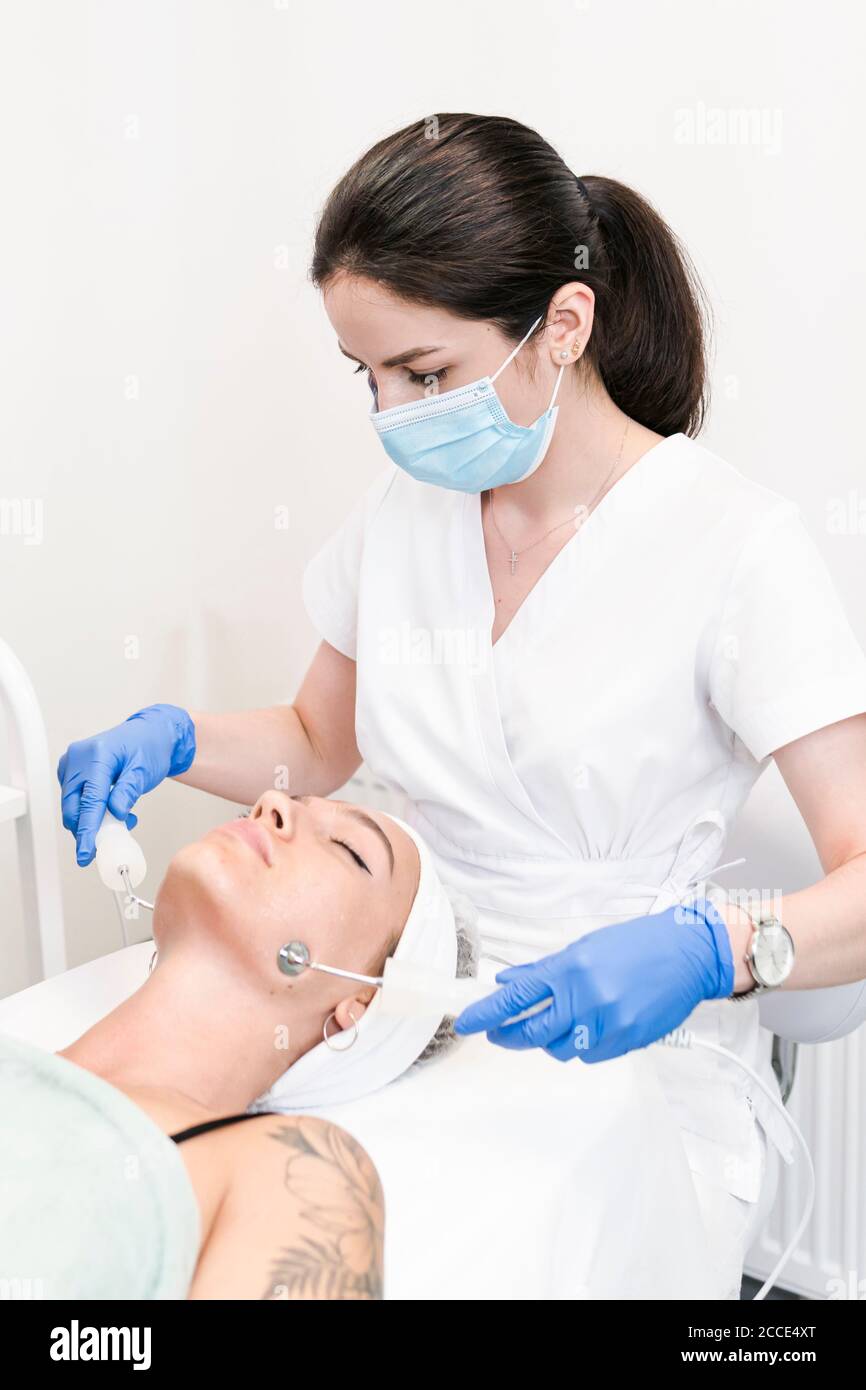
337, 1189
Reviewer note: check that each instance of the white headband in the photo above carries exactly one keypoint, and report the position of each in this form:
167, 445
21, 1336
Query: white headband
385, 1047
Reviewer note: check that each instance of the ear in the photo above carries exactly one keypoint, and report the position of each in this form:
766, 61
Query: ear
571, 321
350, 1011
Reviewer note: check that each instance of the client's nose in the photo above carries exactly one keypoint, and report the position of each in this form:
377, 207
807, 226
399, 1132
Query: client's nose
279, 812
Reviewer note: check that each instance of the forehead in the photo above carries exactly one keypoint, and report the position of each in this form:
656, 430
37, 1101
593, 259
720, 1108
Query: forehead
372, 323
405, 849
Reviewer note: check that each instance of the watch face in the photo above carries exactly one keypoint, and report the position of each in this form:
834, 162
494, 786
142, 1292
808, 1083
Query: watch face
773, 956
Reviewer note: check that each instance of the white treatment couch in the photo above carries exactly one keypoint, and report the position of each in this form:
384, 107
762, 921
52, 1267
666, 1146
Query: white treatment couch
506, 1175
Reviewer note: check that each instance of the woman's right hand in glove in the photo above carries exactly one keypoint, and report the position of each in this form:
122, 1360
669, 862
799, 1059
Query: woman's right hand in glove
114, 768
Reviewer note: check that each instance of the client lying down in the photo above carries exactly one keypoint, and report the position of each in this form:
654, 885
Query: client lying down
98, 1202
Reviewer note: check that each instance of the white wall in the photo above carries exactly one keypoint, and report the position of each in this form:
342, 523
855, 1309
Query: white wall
169, 377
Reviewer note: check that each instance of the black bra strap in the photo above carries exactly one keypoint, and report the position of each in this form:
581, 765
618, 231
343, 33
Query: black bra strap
218, 1124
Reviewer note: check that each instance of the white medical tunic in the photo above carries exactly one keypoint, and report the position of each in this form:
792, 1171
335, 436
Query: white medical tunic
586, 768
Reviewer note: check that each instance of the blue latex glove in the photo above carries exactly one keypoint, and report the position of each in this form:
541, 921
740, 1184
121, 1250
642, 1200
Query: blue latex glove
615, 989
118, 766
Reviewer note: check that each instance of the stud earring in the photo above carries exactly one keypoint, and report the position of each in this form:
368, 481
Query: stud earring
576, 349
565, 355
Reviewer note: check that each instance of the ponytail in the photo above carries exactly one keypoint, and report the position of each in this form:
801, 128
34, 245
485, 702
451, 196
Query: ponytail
648, 341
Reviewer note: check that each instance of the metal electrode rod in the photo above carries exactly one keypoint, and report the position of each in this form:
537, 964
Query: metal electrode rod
124, 874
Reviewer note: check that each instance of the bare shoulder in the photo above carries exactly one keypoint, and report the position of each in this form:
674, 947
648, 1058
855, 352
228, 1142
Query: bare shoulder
302, 1216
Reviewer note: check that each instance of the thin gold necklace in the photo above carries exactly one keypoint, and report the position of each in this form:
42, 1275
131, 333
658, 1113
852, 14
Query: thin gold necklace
514, 555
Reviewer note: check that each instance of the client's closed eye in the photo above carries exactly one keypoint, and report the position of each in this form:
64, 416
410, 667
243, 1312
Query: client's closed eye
357, 858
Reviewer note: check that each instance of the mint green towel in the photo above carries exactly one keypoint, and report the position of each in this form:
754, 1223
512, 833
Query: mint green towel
95, 1201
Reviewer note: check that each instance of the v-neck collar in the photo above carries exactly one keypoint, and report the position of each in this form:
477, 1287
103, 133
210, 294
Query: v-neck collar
475, 528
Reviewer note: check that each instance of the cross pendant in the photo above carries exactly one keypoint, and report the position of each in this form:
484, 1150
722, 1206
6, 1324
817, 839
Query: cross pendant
514, 562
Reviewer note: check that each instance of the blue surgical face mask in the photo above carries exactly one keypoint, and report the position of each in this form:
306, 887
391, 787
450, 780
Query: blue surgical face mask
463, 439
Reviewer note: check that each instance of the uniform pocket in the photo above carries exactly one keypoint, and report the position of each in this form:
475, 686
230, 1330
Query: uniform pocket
727, 1221
713, 1111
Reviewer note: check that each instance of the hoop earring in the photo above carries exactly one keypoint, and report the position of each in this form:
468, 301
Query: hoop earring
152, 966
329, 1043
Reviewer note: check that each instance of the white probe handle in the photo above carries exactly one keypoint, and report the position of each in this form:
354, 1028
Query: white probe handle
527, 1013
410, 991
115, 848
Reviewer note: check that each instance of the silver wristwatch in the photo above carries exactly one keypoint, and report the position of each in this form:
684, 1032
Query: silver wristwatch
769, 956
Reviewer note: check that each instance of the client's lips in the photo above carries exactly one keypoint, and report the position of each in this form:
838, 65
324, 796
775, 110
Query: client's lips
255, 836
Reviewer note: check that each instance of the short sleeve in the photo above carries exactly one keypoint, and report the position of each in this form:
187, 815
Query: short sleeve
786, 661
331, 578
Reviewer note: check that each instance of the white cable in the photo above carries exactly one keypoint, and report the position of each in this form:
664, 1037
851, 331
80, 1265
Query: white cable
118, 899
682, 1037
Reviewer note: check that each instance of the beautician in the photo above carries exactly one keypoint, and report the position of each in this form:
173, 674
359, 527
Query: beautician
573, 636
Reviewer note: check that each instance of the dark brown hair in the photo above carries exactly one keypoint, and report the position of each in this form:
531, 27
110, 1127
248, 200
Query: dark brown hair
480, 216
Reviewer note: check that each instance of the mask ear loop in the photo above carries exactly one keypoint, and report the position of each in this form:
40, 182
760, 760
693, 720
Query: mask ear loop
511, 356
555, 389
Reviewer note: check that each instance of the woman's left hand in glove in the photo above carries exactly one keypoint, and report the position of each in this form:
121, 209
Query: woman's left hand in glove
615, 989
